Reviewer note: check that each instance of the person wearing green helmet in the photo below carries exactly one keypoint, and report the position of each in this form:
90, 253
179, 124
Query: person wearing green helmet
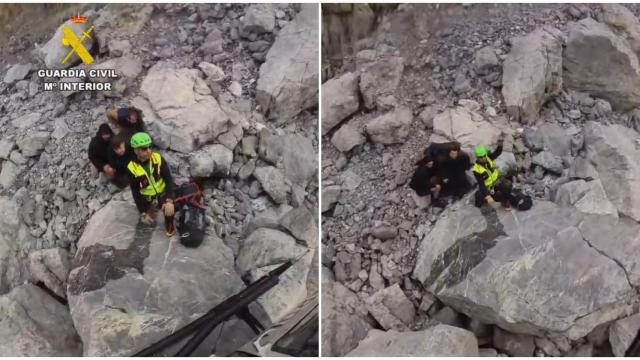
151, 183
491, 183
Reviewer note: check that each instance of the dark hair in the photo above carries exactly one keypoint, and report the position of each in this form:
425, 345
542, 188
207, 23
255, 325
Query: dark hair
119, 139
104, 129
454, 145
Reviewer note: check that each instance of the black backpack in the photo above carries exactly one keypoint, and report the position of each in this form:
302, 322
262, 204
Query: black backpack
192, 225
192, 221
521, 201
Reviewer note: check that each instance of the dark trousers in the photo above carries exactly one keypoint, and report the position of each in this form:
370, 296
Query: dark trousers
502, 193
155, 205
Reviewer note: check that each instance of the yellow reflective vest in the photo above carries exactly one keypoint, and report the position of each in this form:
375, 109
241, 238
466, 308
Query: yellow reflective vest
156, 182
492, 170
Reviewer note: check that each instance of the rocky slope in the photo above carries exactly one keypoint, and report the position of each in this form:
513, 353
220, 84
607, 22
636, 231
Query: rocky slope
557, 280
227, 96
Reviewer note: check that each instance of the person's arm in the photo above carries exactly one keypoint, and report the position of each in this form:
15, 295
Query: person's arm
94, 155
497, 152
165, 172
141, 204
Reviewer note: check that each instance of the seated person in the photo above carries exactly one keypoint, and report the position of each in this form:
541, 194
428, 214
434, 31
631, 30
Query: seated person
452, 163
99, 148
128, 118
119, 156
492, 185
425, 181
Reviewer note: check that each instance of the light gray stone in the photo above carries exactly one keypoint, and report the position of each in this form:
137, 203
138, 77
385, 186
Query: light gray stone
273, 182
390, 128
532, 72
381, 78
35, 324
622, 333
612, 151
439, 340
287, 84
17, 72
344, 321
620, 85
347, 137
339, 100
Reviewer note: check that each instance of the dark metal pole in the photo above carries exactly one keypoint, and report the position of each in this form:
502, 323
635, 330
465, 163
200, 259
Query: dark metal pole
222, 311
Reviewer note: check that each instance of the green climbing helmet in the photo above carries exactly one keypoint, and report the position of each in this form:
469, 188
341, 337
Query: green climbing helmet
481, 151
140, 139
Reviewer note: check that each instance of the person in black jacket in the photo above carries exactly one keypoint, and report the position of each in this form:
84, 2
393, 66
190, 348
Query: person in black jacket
119, 156
99, 148
492, 185
426, 181
126, 118
453, 164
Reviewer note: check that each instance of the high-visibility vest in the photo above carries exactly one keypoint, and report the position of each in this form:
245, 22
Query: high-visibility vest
155, 187
492, 171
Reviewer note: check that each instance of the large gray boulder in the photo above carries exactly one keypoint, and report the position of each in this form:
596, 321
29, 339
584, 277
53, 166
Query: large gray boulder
465, 126
35, 324
288, 82
339, 100
391, 308
347, 137
344, 321
295, 152
291, 290
267, 247
32, 144
612, 151
51, 267
53, 51
9, 174
602, 64
588, 197
121, 21
273, 183
131, 286
211, 160
483, 263
439, 340
380, 79
532, 72
17, 72
622, 333
127, 67
258, 19
179, 108
390, 128
623, 22
14, 235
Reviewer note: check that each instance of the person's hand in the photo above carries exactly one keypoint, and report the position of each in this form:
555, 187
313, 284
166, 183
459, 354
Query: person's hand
147, 219
489, 199
109, 171
168, 208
